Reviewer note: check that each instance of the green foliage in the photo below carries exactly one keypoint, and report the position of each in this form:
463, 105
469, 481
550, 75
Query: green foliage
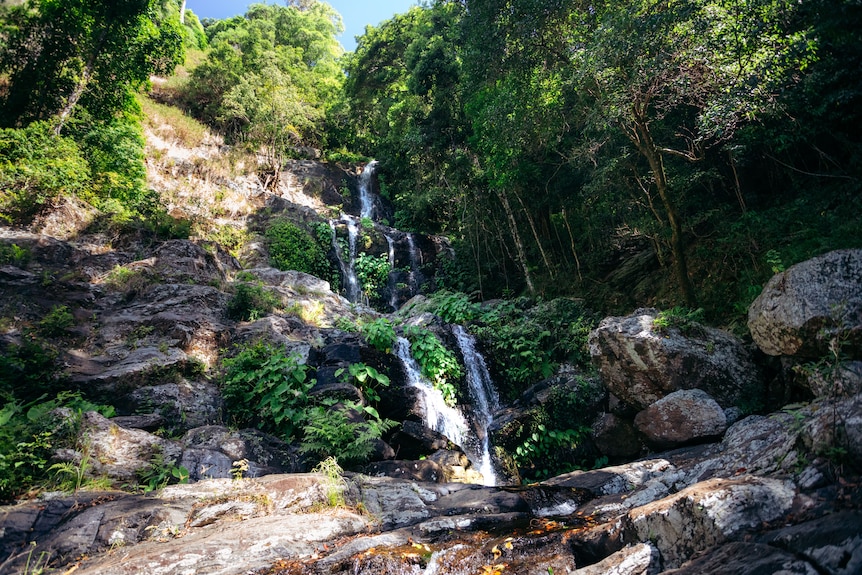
556, 439
526, 343
160, 472
265, 387
380, 334
538, 456
36, 168
346, 324
369, 380
30, 432
454, 307
330, 431
681, 318
250, 302
437, 363
127, 280
372, 273
28, 370
270, 76
56, 322
84, 55
115, 153
13, 254
335, 482
292, 248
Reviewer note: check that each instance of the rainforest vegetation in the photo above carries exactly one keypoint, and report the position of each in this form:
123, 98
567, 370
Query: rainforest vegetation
593, 156
706, 141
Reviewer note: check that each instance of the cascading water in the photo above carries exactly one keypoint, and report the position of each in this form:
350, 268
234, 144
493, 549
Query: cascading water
440, 417
416, 276
366, 200
393, 284
348, 263
484, 395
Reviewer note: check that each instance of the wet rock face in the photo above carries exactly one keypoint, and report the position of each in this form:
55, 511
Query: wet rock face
640, 364
804, 308
682, 417
708, 514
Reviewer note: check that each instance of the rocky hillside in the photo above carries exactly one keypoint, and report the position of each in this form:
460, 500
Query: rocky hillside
715, 470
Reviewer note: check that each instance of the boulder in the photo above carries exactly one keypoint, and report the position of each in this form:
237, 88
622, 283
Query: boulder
640, 364
806, 308
211, 452
832, 543
184, 261
638, 559
708, 514
682, 417
741, 558
183, 404
107, 450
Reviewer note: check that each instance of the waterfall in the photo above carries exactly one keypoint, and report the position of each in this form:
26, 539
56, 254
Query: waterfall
347, 264
366, 200
440, 417
393, 279
416, 276
483, 395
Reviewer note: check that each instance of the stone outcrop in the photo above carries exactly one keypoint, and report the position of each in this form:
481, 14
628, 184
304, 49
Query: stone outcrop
682, 417
691, 510
640, 364
802, 310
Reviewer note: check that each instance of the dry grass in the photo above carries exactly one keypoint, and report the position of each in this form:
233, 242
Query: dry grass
172, 124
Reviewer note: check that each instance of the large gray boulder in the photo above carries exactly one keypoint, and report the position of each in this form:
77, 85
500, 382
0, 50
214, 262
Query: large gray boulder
640, 363
802, 310
682, 417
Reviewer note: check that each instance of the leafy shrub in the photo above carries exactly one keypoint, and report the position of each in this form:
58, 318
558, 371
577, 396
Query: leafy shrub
292, 248
372, 273
437, 363
330, 432
380, 334
28, 370
538, 456
679, 317
160, 472
367, 378
57, 321
265, 387
36, 167
453, 307
526, 343
127, 280
14, 254
250, 302
115, 153
29, 433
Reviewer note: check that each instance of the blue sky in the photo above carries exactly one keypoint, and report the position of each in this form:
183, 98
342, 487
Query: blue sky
356, 14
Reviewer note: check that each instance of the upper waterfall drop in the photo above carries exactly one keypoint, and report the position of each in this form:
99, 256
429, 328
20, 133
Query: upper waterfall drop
366, 198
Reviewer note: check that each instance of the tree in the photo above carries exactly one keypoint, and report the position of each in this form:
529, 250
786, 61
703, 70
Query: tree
678, 78
92, 53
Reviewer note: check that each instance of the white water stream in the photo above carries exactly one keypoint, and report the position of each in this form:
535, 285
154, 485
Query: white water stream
484, 397
450, 421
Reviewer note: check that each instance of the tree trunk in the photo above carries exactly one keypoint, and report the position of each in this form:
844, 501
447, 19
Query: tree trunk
536, 235
183, 12
645, 144
76, 94
519, 245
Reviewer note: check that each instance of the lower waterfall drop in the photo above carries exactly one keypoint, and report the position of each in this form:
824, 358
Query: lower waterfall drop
439, 416
484, 396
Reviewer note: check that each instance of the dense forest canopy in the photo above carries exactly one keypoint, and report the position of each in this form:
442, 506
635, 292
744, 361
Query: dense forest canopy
634, 152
